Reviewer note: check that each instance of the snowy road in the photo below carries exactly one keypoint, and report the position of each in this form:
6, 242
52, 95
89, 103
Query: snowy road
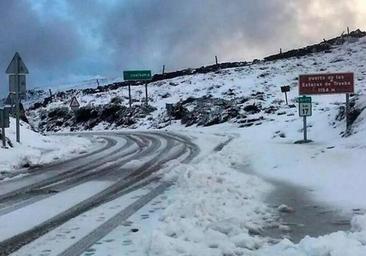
51, 195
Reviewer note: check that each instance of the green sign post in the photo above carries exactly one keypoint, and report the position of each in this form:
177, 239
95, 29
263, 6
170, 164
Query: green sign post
137, 75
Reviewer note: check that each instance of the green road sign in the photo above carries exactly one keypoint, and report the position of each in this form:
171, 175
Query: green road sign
137, 75
304, 99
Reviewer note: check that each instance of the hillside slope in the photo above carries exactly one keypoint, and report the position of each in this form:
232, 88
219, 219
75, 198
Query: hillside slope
242, 96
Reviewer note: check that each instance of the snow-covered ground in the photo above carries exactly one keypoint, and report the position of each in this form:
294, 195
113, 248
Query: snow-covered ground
214, 208
214, 205
35, 149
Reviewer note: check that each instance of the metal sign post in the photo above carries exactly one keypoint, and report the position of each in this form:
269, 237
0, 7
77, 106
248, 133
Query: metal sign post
4, 123
2, 112
137, 75
146, 96
169, 110
17, 71
347, 113
305, 130
129, 96
285, 89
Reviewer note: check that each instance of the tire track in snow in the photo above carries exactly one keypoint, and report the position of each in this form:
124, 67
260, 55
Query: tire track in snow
134, 176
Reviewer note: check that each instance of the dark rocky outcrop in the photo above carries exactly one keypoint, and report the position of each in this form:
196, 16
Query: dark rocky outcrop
86, 118
207, 111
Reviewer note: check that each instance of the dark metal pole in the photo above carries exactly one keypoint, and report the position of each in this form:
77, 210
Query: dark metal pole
163, 69
4, 138
305, 130
347, 112
146, 95
216, 60
3, 127
129, 95
286, 98
17, 107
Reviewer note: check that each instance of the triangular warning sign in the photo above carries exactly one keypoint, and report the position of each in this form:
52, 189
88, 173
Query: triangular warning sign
17, 66
74, 103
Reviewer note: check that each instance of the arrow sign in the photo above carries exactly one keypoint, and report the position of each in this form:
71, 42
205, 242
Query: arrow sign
17, 66
74, 104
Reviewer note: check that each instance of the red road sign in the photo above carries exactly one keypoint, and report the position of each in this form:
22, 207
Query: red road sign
326, 83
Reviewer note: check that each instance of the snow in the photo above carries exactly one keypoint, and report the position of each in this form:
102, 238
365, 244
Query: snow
59, 239
35, 149
331, 166
14, 223
212, 212
213, 207
144, 221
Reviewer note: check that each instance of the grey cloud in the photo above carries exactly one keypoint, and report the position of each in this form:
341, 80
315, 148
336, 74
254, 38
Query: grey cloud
104, 37
48, 47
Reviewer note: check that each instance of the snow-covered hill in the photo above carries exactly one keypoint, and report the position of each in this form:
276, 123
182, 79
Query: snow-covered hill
243, 96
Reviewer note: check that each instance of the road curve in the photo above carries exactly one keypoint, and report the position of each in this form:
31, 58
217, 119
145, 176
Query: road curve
111, 162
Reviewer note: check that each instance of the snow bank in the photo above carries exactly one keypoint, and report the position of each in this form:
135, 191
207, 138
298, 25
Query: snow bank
214, 210
36, 149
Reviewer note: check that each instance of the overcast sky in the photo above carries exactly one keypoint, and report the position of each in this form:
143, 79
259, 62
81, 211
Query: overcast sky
69, 40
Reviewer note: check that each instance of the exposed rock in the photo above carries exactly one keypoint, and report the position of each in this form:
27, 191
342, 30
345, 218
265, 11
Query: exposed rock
85, 118
252, 109
285, 209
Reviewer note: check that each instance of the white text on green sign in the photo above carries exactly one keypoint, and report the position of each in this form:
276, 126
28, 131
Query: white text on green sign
137, 75
304, 99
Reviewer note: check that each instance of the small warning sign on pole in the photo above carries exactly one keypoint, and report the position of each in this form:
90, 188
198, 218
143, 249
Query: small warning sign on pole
74, 104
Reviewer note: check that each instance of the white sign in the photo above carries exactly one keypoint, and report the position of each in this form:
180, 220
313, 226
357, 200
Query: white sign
305, 109
17, 66
13, 84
